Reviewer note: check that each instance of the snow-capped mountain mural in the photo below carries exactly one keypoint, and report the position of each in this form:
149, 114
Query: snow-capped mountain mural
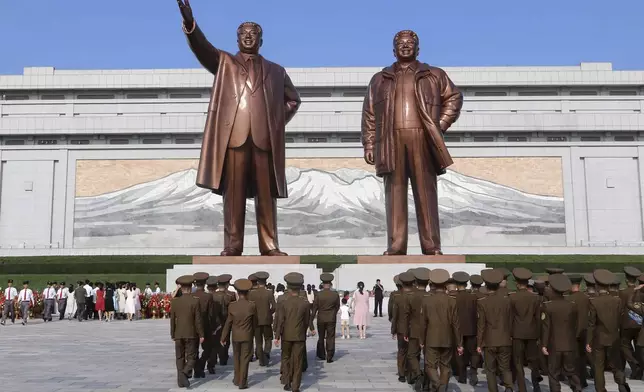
341, 208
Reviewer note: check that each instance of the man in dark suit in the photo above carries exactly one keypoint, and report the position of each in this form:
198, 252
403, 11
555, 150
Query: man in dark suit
378, 296
243, 151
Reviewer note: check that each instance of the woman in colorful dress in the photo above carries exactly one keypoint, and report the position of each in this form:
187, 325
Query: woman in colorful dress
100, 301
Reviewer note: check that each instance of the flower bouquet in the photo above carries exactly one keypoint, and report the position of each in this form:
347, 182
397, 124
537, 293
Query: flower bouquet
167, 305
143, 300
1, 301
153, 306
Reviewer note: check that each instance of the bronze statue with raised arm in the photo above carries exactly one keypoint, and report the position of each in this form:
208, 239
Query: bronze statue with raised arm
408, 107
242, 155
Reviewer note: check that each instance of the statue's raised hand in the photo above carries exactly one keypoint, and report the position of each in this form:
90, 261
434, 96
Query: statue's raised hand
186, 12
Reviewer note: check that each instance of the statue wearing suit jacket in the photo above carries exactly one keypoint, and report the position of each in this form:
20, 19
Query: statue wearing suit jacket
243, 150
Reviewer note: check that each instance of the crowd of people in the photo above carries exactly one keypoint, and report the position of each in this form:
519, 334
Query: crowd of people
84, 301
456, 323
548, 324
254, 317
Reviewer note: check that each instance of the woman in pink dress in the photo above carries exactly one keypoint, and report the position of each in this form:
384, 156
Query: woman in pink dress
361, 310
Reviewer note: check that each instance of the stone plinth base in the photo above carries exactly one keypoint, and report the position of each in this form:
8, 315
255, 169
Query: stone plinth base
245, 260
412, 259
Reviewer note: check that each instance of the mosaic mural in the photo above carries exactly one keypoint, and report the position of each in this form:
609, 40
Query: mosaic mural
334, 202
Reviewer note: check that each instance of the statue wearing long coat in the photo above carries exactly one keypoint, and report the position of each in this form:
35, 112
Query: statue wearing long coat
282, 102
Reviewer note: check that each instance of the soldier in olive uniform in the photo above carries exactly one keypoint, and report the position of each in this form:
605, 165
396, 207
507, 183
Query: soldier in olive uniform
265, 302
222, 298
559, 319
399, 326
293, 321
630, 329
525, 307
494, 327
440, 331
503, 286
186, 330
326, 306
219, 314
635, 305
551, 271
476, 282
241, 321
591, 285
583, 302
413, 318
392, 296
604, 319
206, 306
466, 306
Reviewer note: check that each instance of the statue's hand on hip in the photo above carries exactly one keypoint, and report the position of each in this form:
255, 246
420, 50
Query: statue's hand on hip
186, 12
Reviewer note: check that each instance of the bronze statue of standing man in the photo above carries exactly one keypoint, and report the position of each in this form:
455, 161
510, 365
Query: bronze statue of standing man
243, 150
408, 107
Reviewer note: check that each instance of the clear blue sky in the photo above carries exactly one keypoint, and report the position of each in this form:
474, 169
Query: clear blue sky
116, 34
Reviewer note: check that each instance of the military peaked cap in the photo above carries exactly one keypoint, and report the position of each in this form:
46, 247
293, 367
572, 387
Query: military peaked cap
326, 278
252, 278
492, 276
225, 278
243, 285
439, 276
476, 280
589, 278
554, 270
575, 278
212, 280
293, 280
261, 275
406, 277
461, 277
604, 277
201, 277
185, 280
560, 283
522, 274
397, 280
632, 272
421, 274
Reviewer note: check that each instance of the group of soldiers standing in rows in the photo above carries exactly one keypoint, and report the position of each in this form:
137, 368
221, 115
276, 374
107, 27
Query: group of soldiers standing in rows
550, 325
211, 315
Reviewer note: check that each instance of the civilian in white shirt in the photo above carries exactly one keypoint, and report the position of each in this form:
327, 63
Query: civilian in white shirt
26, 300
157, 289
148, 290
48, 295
61, 297
10, 294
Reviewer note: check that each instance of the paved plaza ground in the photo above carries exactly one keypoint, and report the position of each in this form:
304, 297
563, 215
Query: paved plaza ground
138, 356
